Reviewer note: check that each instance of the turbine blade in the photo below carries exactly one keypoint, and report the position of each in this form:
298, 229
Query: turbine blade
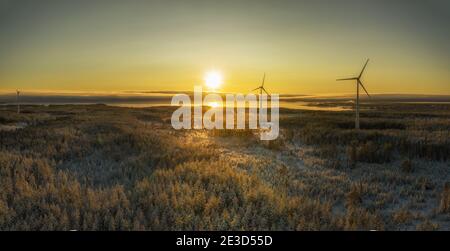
364, 88
264, 89
255, 89
341, 79
363, 68
264, 78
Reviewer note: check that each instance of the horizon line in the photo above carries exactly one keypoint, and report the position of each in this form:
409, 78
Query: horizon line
169, 92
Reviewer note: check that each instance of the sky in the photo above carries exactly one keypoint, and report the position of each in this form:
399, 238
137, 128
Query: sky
302, 46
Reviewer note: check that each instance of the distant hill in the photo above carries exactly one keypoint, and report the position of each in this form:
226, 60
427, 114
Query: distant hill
164, 97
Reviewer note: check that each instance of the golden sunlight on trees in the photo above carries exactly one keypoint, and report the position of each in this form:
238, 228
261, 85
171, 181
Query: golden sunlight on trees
109, 168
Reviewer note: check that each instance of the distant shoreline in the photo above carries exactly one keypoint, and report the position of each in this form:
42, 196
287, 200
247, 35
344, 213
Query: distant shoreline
334, 105
161, 98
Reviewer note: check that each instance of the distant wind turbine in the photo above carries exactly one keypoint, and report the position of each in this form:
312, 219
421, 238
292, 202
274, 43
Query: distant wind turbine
261, 89
18, 104
358, 83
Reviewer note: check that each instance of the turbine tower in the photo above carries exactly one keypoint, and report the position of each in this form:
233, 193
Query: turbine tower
358, 83
17, 99
261, 89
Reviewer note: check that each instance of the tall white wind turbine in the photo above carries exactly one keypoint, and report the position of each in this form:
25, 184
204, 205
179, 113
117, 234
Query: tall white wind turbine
358, 83
17, 99
261, 89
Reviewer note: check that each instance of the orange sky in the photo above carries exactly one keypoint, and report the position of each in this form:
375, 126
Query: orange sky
170, 45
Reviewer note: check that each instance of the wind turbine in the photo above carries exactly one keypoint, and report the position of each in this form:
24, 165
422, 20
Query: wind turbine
261, 89
358, 83
17, 99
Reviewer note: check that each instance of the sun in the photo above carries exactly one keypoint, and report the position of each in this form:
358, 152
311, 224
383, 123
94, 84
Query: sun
213, 79
214, 104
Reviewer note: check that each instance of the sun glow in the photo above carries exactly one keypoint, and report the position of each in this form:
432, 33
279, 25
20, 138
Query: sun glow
214, 104
213, 79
